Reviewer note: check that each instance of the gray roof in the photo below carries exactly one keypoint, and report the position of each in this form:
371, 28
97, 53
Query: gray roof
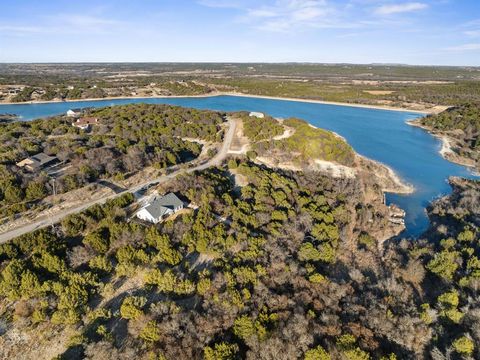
41, 159
159, 206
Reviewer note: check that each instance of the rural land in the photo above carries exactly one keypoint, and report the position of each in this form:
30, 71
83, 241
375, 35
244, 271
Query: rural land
147, 231
427, 89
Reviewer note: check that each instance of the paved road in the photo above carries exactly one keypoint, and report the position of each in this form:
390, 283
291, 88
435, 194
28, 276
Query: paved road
216, 160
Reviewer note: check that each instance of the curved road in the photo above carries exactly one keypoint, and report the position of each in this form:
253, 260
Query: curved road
216, 160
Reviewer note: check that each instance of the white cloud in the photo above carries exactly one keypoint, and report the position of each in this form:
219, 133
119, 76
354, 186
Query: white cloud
85, 21
288, 15
21, 29
232, 4
392, 9
472, 33
471, 23
297, 15
64, 23
262, 13
465, 47
74, 23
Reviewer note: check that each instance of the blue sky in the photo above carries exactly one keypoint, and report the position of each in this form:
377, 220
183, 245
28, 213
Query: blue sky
444, 32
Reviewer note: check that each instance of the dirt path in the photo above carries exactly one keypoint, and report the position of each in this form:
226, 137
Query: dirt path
286, 134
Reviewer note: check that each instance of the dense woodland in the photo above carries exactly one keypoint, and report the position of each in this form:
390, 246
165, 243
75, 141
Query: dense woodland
271, 265
465, 117
461, 122
127, 139
451, 257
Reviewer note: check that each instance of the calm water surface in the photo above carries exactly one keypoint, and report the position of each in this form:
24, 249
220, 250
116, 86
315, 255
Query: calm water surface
381, 135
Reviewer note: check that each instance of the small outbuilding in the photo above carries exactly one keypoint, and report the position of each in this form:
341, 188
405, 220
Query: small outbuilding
160, 208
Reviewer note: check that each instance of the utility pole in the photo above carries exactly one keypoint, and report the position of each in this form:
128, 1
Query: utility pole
54, 188
54, 194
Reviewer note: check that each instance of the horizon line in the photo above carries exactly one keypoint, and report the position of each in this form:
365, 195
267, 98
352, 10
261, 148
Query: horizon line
236, 62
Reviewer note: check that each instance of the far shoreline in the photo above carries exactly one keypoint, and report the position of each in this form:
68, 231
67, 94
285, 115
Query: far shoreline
214, 94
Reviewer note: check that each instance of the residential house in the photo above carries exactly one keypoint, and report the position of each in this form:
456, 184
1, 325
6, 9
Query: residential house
37, 162
85, 123
14, 91
160, 208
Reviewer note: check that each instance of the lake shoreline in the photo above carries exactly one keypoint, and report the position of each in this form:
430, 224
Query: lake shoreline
446, 151
400, 186
214, 94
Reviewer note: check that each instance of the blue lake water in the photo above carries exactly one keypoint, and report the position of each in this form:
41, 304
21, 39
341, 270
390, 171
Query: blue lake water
381, 135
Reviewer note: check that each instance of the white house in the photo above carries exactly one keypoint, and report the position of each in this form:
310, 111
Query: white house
160, 208
257, 114
85, 123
